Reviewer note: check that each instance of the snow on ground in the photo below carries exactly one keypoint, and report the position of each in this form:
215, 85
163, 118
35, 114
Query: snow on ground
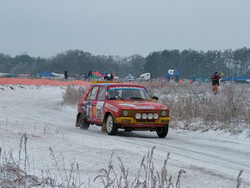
211, 159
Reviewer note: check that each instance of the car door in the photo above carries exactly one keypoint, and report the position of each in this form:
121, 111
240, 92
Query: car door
95, 110
100, 104
90, 104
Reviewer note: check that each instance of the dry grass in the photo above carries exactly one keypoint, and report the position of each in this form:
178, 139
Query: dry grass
195, 107
15, 172
72, 94
147, 176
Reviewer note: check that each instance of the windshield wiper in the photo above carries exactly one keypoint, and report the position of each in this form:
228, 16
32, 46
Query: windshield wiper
139, 98
115, 98
112, 98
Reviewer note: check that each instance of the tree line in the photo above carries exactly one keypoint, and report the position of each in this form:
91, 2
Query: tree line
187, 62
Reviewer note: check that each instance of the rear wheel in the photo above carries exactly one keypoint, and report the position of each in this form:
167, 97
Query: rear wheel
163, 131
82, 122
111, 126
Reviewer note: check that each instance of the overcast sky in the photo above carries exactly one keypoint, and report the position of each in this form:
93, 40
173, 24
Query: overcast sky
122, 27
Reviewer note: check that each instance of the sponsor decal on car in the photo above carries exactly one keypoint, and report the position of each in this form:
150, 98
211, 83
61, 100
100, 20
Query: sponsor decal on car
137, 107
126, 104
164, 108
144, 107
99, 110
87, 108
111, 107
124, 87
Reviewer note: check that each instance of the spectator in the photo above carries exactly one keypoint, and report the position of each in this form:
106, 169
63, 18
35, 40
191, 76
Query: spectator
111, 77
215, 83
90, 76
106, 77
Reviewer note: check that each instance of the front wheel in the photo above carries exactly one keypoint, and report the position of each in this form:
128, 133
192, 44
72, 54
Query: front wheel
111, 126
163, 131
82, 122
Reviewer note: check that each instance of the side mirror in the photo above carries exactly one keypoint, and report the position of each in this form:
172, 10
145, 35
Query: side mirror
155, 98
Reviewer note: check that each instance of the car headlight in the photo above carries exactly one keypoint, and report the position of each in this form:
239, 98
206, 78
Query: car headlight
144, 116
156, 115
163, 113
125, 113
137, 116
150, 116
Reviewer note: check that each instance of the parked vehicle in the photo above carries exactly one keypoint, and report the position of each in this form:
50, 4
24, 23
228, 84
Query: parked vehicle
115, 105
145, 77
129, 77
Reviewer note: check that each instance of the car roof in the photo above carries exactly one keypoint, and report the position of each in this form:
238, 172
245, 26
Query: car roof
106, 84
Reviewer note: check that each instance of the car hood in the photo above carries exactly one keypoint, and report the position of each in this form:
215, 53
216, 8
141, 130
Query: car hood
138, 104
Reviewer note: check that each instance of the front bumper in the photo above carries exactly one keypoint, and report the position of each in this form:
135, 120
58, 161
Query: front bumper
132, 122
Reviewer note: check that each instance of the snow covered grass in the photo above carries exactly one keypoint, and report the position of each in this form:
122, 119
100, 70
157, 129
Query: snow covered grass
147, 175
72, 95
195, 107
14, 172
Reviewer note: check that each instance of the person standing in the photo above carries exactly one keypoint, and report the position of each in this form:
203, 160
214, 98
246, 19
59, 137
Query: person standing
111, 77
106, 77
215, 83
90, 76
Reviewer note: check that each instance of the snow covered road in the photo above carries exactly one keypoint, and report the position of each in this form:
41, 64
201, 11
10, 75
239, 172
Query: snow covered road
211, 159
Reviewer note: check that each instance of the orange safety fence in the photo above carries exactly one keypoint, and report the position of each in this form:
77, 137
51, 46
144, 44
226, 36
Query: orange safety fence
17, 81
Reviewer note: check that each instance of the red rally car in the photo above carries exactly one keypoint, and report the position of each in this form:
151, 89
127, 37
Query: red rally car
116, 105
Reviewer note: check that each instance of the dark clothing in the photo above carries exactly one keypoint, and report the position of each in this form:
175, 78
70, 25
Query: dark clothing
105, 77
90, 74
215, 80
111, 77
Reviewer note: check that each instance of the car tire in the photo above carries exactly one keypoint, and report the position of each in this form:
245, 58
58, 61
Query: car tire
163, 131
111, 126
82, 122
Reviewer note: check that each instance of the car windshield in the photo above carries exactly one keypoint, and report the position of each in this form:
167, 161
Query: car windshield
118, 93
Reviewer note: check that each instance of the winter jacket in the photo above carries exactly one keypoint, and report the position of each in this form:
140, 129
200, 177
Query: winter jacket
215, 80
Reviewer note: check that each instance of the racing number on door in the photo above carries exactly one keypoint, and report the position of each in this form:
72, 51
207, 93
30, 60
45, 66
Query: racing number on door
99, 110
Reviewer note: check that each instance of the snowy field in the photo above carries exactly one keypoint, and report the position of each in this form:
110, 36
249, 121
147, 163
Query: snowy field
54, 144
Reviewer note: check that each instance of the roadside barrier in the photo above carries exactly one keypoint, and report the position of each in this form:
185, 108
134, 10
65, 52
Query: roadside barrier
19, 81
